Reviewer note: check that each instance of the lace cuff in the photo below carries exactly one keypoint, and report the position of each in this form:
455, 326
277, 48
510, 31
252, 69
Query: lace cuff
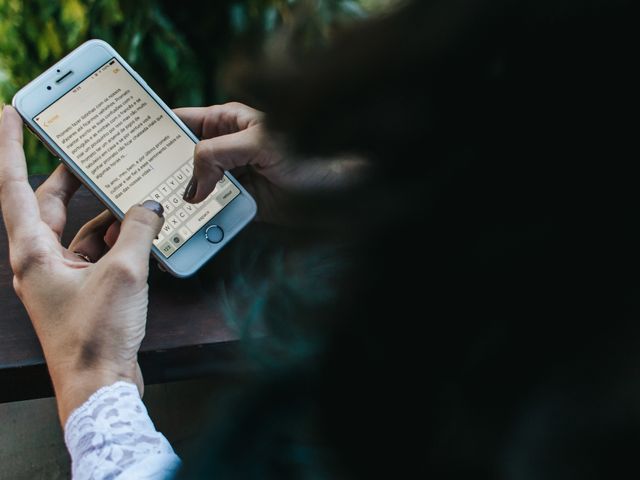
111, 436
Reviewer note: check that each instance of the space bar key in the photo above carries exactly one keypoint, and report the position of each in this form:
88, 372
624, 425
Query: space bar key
200, 219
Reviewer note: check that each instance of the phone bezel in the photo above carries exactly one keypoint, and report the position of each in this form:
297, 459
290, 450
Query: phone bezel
83, 61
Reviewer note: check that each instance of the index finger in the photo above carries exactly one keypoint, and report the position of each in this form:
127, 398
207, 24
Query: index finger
19, 205
218, 120
193, 117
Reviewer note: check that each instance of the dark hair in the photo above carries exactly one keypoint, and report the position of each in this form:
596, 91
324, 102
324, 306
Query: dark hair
487, 323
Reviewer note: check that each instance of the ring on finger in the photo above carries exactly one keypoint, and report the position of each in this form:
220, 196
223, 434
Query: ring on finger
84, 257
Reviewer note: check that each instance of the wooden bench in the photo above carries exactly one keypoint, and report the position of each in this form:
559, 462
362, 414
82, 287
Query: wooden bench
187, 336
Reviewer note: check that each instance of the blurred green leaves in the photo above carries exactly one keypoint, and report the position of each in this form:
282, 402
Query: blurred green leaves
180, 48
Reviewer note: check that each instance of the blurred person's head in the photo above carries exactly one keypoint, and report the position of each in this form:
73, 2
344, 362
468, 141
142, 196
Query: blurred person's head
487, 322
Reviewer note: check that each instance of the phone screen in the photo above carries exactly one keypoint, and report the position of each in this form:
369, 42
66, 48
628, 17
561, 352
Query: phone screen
132, 150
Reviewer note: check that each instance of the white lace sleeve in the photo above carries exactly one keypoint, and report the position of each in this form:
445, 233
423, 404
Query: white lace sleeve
111, 436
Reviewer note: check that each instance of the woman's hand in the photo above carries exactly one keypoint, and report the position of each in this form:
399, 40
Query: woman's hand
234, 139
89, 317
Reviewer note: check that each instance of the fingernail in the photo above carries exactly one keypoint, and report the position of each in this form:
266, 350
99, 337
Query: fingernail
190, 191
154, 206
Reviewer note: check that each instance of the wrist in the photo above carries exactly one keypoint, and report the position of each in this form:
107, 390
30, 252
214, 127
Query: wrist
73, 386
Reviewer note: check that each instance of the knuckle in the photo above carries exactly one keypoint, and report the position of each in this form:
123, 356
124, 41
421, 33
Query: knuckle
246, 112
24, 262
17, 286
198, 153
204, 156
212, 112
125, 272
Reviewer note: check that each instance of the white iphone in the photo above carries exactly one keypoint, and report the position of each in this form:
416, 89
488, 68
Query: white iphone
94, 112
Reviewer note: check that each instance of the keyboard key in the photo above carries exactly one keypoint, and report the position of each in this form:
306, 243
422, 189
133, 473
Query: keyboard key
200, 219
167, 248
176, 200
174, 222
189, 208
173, 184
180, 177
182, 214
185, 232
168, 206
157, 196
226, 195
176, 240
166, 228
164, 189
187, 170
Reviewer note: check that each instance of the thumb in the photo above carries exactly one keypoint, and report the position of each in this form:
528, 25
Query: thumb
140, 227
10, 124
12, 162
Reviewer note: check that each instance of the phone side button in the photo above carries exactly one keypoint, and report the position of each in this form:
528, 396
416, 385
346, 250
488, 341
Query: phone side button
214, 234
43, 142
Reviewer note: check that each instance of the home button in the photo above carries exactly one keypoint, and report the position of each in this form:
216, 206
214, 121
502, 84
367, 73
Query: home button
214, 234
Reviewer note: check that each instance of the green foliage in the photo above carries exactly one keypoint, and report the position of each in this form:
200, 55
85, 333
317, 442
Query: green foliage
180, 48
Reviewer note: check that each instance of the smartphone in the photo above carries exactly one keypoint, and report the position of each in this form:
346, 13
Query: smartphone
94, 112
